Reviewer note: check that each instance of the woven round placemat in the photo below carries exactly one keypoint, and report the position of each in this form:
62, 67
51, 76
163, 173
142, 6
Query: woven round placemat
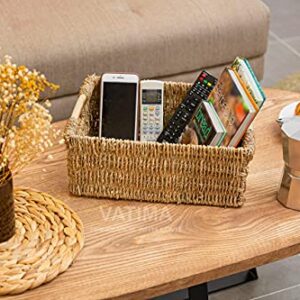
49, 235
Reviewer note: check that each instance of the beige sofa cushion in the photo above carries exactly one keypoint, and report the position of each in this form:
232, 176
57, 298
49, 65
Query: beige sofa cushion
71, 38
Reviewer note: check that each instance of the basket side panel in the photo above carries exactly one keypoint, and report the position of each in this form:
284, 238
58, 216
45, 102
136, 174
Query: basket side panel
90, 112
83, 126
174, 93
157, 173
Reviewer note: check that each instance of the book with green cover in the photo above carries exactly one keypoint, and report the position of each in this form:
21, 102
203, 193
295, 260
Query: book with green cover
233, 107
243, 68
205, 127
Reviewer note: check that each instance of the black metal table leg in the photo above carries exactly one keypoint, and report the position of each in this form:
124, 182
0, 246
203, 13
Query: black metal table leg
198, 292
201, 291
252, 275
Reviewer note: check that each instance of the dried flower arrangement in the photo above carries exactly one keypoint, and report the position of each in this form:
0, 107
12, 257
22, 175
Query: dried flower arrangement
25, 121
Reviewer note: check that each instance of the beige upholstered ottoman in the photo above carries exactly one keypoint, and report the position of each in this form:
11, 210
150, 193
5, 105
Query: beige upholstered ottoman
169, 39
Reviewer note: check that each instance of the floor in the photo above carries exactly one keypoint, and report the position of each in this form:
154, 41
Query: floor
280, 280
277, 281
283, 55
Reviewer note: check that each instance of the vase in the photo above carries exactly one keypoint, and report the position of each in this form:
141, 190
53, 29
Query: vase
7, 211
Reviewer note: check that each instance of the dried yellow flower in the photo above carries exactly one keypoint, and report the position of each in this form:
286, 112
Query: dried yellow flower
25, 121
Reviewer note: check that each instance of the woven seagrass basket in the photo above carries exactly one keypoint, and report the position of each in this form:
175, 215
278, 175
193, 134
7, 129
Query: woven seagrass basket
148, 171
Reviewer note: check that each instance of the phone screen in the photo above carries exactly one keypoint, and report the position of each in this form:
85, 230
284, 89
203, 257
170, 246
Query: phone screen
119, 110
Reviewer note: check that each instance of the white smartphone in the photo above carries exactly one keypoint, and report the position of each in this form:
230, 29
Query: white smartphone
151, 121
119, 106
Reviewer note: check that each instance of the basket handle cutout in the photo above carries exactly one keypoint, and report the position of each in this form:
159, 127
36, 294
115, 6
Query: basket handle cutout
78, 106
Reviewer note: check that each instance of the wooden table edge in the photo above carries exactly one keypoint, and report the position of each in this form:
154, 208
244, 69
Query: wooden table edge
184, 283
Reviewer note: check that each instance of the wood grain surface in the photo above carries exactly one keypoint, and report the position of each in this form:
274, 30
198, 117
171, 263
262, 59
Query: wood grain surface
139, 250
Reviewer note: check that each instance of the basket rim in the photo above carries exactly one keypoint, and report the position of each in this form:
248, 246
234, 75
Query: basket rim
89, 83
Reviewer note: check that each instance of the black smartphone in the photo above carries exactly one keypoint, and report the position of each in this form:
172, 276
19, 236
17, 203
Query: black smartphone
119, 106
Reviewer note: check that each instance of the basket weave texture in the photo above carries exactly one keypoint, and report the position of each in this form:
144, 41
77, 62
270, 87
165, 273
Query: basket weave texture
49, 236
148, 171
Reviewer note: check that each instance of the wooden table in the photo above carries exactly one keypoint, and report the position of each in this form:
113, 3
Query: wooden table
139, 250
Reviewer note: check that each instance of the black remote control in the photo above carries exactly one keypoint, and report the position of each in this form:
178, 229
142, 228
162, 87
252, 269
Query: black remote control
183, 114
